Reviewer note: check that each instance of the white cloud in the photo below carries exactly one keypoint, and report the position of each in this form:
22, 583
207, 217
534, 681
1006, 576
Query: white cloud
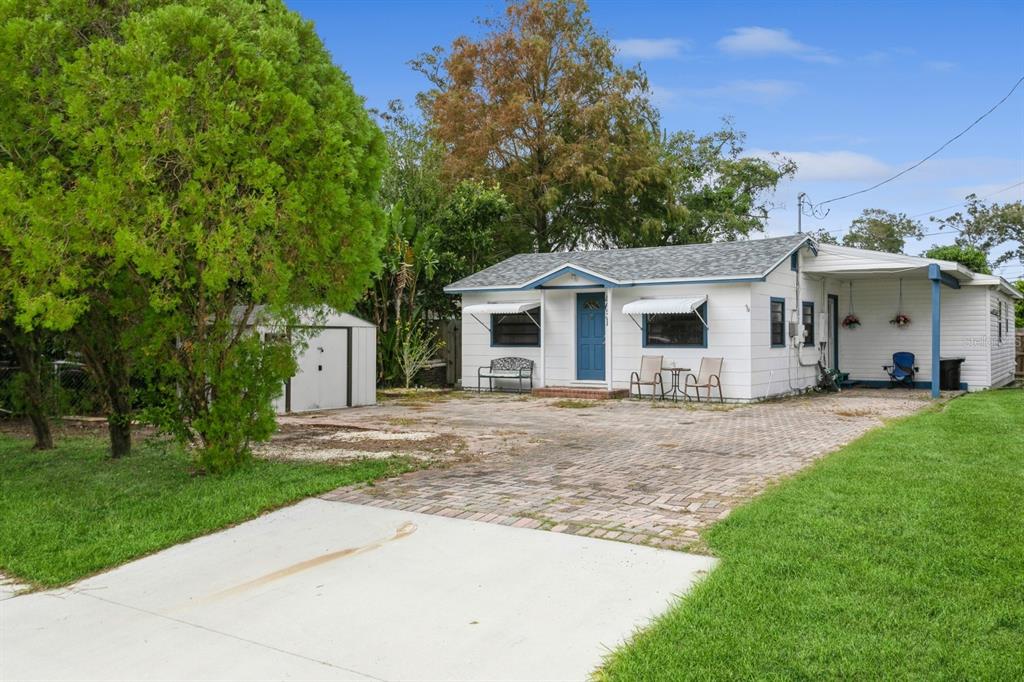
757, 41
651, 48
751, 91
832, 166
878, 57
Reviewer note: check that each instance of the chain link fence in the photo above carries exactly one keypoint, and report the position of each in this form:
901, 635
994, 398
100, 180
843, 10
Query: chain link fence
70, 390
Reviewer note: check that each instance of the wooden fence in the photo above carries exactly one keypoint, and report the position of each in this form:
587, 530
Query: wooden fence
450, 331
1020, 353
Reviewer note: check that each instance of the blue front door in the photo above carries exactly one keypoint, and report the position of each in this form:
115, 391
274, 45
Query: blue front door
590, 337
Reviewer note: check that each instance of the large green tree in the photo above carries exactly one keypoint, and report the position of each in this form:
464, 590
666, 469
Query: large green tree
969, 256
996, 229
213, 163
470, 236
436, 234
60, 268
823, 236
539, 106
30, 389
879, 230
705, 190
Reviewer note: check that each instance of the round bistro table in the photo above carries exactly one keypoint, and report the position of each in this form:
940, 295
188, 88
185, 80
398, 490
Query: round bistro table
675, 390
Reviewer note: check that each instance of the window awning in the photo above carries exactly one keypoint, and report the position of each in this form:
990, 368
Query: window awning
665, 306
500, 309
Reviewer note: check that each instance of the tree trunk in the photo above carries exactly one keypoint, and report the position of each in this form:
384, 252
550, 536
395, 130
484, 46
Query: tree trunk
27, 349
120, 429
119, 421
41, 431
540, 230
100, 340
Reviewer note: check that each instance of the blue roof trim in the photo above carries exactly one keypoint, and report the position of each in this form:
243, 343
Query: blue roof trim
556, 287
570, 270
791, 256
730, 280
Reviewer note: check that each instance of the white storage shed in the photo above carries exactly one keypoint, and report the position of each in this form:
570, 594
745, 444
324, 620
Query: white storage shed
337, 369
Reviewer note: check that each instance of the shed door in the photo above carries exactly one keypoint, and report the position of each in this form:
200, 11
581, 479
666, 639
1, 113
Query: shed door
590, 337
322, 379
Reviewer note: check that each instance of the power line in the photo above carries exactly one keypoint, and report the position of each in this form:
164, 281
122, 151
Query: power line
984, 196
944, 145
938, 210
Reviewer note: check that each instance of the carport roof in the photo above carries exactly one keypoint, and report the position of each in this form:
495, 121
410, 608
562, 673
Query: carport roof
653, 265
843, 262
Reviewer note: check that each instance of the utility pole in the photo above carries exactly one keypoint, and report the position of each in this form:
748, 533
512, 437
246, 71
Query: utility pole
800, 212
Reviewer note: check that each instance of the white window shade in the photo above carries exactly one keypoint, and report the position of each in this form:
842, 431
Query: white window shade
664, 306
499, 308
478, 311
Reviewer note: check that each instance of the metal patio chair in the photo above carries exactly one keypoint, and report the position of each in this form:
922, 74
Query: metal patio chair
707, 377
649, 375
902, 370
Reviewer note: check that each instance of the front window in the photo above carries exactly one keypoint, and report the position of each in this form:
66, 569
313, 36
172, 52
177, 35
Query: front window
808, 320
516, 329
778, 322
677, 330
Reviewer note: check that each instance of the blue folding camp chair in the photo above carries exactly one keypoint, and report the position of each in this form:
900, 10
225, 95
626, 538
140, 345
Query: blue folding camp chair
902, 370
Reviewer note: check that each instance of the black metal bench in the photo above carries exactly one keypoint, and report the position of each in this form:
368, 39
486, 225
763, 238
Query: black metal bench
505, 368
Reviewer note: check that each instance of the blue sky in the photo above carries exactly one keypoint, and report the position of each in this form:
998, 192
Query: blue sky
852, 91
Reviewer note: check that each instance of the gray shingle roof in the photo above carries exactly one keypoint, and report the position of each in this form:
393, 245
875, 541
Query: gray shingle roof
627, 266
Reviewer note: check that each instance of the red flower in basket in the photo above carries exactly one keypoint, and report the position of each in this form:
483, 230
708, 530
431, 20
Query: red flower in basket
851, 321
900, 321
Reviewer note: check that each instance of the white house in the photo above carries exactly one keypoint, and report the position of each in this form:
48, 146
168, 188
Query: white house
771, 308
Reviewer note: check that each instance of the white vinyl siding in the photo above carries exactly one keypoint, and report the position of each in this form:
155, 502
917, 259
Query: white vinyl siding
476, 338
777, 370
1001, 351
728, 335
560, 336
964, 332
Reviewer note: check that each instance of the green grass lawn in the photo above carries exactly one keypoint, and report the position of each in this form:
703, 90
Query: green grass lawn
901, 556
73, 511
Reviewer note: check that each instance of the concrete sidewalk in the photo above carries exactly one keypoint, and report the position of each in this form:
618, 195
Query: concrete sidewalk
328, 590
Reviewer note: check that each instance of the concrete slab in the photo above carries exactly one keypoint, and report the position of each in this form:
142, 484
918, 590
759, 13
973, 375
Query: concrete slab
328, 590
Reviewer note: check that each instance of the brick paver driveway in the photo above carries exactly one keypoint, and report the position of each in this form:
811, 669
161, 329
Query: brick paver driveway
620, 470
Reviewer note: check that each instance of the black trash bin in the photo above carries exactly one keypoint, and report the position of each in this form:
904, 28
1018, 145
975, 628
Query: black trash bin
949, 373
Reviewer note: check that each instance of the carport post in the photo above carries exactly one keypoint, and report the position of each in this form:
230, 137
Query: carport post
936, 277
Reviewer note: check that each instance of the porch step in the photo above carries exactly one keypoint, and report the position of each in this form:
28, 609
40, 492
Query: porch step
581, 393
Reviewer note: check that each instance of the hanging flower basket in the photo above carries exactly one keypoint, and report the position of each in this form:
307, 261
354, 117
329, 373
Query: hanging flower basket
851, 321
900, 321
